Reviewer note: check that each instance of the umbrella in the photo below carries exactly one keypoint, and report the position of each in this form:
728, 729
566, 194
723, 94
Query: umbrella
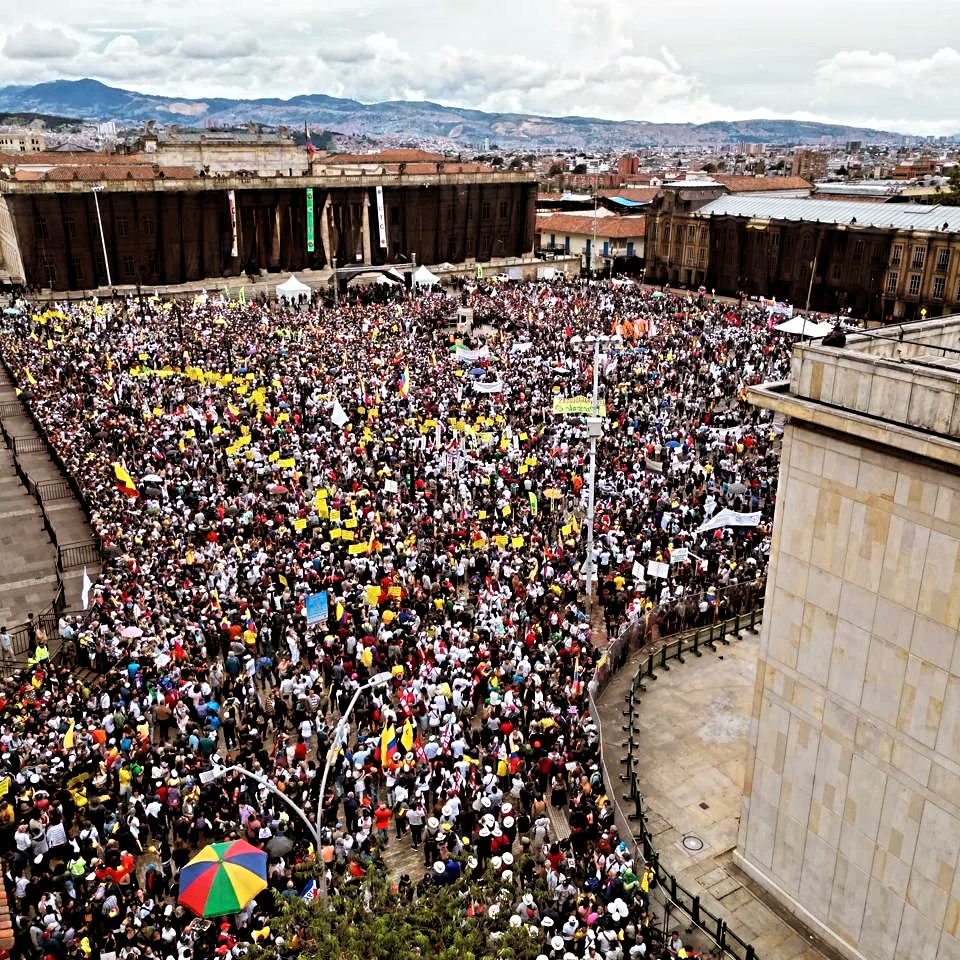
131, 633
277, 488
475, 372
657, 295
223, 878
673, 443
151, 478
11, 311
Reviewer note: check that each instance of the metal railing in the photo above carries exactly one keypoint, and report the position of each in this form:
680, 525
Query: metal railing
633, 826
56, 489
77, 554
27, 444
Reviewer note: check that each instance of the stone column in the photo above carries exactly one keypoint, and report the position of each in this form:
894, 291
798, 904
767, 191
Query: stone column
365, 227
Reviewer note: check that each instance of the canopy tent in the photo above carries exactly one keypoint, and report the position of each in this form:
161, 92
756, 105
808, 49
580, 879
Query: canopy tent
424, 278
384, 280
292, 289
802, 327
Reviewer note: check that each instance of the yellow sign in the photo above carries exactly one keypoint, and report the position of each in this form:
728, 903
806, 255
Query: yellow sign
582, 406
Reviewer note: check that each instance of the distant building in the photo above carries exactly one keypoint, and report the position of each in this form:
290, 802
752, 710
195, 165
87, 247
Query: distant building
600, 241
809, 164
27, 141
169, 225
883, 261
628, 166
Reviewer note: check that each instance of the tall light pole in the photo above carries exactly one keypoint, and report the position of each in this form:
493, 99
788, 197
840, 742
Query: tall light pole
594, 431
339, 739
96, 188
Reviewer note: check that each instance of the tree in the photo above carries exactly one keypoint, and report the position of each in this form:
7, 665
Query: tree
951, 198
369, 921
556, 168
580, 168
710, 168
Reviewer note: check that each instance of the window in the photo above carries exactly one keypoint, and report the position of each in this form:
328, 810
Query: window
451, 213
836, 269
41, 225
504, 209
153, 264
50, 269
914, 288
147, 224
485, 210
892, 282
691, 233
395, 216
943, 260
128, 265
858, 251
896, 254
123, 226
919, 256
688, 257
78, 273
938, 285
666, 234
703, 234
701, 256
70, 227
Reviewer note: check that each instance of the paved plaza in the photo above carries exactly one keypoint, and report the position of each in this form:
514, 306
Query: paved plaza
693, 722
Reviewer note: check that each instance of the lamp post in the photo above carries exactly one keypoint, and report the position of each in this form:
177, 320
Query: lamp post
594, 431
378, 680
97, 188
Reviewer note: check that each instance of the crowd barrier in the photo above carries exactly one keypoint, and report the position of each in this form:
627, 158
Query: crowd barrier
632, 826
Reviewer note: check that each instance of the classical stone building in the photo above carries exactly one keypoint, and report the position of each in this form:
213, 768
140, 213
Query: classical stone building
883, 261
851, 808
167, 225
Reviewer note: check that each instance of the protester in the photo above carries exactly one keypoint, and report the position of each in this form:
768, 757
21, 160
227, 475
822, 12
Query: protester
238, 459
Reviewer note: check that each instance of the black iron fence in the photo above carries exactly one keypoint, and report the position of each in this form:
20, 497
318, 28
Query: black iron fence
81, 553
633, 825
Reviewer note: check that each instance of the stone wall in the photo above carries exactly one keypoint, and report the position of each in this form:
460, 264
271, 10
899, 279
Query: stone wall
851, 811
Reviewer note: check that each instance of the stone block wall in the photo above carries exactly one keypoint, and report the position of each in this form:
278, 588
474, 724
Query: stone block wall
851, 811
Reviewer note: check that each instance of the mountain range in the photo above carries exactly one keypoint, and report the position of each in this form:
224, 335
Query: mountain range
395, 120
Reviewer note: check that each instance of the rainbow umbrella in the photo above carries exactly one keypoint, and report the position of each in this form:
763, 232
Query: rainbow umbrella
223, 878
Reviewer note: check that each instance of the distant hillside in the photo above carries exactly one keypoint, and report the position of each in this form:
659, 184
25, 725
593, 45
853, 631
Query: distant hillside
50, 123
93, 100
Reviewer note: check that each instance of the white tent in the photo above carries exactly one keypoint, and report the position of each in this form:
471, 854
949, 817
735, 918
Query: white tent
804, 328
424, 278
384, 280
292, 289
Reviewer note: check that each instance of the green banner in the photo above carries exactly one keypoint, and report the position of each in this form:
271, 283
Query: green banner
310, 239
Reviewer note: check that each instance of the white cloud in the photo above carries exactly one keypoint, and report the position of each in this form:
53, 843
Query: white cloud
606, 58
40, 43
915, 77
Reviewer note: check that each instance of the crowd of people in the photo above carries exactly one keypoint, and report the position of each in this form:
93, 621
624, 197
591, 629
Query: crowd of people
303, 507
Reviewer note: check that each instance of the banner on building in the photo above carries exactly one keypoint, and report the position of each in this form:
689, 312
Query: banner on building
381, 218
311, 243
232, 204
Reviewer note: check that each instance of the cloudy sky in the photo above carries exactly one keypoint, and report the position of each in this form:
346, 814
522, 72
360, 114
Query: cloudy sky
885, 63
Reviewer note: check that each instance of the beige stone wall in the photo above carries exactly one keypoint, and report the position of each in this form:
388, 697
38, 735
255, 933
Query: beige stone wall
851, 810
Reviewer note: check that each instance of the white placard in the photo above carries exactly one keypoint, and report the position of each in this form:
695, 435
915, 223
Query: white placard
657, 569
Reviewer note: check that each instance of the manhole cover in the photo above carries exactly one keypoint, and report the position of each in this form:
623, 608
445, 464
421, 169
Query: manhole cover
692, 843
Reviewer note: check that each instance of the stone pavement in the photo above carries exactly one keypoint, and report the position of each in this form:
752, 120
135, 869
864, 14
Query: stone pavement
693, 723
28, 560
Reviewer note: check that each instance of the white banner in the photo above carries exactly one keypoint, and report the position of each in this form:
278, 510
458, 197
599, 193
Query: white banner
730, 518
488, 387
680, 555
232, 204
471, 356
381, 218
657, 569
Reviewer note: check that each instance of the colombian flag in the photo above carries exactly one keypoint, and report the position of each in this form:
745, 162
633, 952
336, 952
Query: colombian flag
125, 482
405, 382
388, 745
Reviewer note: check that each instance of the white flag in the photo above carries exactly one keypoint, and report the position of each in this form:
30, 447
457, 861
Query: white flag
339, 415
85, 591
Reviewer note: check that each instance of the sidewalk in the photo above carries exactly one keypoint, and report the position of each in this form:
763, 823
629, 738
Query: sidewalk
693, 724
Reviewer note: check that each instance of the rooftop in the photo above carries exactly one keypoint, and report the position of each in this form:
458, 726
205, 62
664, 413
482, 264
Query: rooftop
742, 184
607, 228
902, 216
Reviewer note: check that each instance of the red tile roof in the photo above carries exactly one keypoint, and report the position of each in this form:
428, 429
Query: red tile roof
738, 184
608, 228
384, 156
640, 194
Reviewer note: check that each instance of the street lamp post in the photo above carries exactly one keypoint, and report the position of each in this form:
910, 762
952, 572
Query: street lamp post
594, 431
378, 680
97, 188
